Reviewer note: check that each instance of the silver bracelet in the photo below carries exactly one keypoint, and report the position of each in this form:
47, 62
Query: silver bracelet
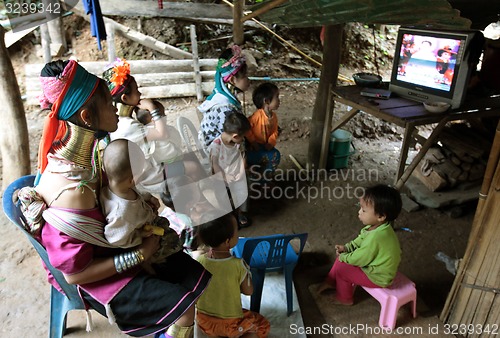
118, 266
155, 114
127, 260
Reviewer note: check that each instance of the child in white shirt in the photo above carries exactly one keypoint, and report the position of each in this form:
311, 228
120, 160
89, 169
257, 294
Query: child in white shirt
128, 212
227, 159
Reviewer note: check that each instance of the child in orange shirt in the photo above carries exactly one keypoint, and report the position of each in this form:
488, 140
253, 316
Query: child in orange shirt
261, 153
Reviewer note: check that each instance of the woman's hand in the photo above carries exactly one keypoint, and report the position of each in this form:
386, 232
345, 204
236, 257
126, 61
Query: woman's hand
153, 203
149, 246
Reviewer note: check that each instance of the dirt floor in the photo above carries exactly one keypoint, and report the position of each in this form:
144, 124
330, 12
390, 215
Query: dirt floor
326, 209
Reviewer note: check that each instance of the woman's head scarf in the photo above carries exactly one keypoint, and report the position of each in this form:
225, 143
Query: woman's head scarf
117, 76
226, 69
66, 86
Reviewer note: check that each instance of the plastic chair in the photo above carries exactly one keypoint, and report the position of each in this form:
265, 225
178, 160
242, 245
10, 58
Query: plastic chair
189, 135
401, 292
60, 303
266, 254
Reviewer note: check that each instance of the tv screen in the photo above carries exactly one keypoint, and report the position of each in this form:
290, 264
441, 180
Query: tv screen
431, 65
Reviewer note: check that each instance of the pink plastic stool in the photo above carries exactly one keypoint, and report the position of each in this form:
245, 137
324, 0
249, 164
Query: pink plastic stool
401, 292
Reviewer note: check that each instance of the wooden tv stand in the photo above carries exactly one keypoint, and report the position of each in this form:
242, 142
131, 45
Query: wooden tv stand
410, 114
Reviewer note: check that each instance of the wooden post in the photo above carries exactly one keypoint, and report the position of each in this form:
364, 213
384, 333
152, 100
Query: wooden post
110, 40
44, 33
327, 82
238, 37
196, 64
14, 143
325, 140
55, 28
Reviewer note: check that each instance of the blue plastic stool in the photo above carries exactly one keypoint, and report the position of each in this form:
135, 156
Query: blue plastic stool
60, 303
267, 254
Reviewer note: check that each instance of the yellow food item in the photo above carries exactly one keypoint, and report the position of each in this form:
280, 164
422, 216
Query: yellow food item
159, 231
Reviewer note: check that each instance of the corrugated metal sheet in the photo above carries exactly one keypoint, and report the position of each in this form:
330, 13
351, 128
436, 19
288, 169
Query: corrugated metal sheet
310, 13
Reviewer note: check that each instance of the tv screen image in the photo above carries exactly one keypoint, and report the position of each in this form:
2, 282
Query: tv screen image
431, 65
428, 61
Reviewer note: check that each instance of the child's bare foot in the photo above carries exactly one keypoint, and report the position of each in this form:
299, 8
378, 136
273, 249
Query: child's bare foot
324, 287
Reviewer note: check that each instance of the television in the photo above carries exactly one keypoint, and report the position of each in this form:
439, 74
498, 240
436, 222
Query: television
432, 65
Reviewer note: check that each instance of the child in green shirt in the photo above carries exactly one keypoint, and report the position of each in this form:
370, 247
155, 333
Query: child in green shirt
372, 258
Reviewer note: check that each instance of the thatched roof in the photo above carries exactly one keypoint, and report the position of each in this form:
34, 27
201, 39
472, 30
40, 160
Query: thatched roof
436, 13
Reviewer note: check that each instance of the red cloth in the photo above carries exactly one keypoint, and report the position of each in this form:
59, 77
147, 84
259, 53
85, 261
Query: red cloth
344, 277
72, 256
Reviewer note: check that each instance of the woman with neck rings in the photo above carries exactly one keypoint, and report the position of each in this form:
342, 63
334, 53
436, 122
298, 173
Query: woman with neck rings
110, 279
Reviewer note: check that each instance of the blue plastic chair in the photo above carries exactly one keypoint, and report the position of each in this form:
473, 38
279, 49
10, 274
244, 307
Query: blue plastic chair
266, 254
60, 303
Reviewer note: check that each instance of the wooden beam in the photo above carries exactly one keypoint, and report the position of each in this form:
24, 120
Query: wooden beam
238, 37
283, 41
328, 81
45, 37
267, 7
177, 90
136, 66
148, 41
56, 33
110, 40
196, 64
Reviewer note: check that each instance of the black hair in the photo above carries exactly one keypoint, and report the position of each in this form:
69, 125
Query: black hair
236, 123
54, 68
263, 92
226, 54
242, 72
386, 201
215, 232
143, 116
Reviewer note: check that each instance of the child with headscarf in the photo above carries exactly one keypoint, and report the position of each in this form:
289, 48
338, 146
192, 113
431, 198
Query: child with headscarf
230, 78
127, 98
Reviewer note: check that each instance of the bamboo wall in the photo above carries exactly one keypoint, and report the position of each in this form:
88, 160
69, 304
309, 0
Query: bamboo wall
473, 305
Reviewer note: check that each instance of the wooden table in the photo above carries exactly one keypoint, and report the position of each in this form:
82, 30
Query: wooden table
410, 114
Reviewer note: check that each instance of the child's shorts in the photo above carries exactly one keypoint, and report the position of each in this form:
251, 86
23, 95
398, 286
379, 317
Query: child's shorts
234, 327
